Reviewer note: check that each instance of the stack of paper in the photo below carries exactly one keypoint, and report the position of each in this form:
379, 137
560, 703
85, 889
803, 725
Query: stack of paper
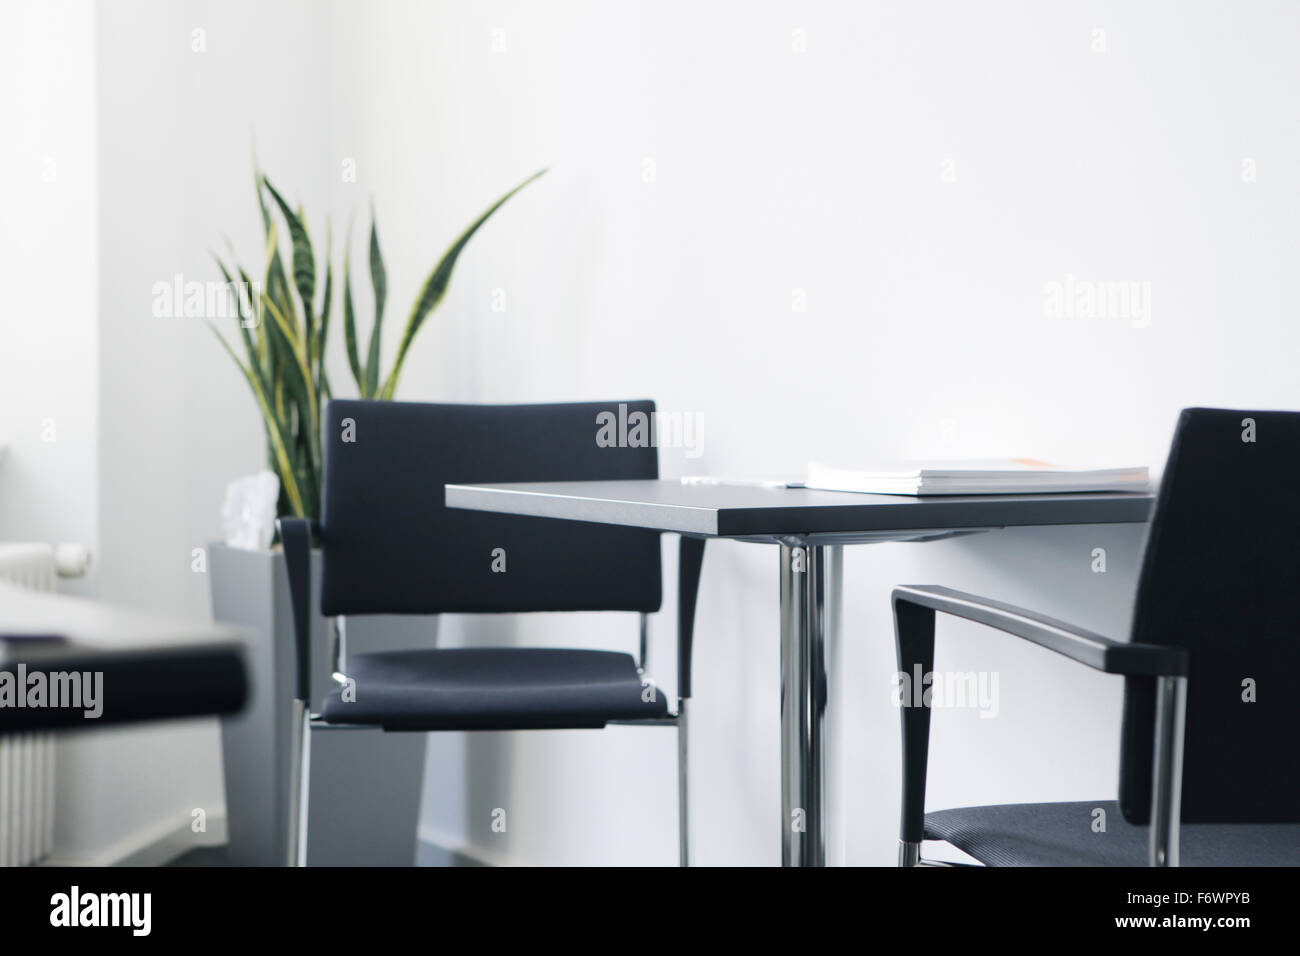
1012, 476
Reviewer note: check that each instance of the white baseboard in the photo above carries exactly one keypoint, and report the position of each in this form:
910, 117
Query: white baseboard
149, 846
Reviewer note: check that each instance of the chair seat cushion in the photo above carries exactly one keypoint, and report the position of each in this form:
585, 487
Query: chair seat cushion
1061, 834
508, 688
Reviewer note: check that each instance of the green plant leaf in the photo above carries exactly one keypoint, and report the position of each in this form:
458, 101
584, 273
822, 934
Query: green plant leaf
300, 381
302, 408
272, 258
304, 260
323, 328
274, 430
261, 200
263, 361
278, 388
277, 283
350, 326
379, 280
249, 345
257, 356
435, 286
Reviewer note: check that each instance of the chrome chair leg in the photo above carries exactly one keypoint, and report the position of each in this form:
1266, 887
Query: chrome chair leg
683, 795
909, 854
1167, 772
299, 783
643, 644
340, 669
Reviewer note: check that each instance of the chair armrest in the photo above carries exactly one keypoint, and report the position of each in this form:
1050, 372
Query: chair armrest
690, 561
295, 536
914, 611
1076, 643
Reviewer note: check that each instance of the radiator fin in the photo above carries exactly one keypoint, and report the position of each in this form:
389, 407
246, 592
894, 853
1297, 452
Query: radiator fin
27, 760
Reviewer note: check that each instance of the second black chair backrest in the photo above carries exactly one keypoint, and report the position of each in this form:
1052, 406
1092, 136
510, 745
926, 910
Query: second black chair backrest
1221, 578
390, 546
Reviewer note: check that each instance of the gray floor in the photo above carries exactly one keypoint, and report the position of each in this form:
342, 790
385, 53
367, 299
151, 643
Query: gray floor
427, 854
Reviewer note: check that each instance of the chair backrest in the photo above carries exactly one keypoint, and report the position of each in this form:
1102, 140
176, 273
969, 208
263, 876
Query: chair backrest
1221, 578
390, 546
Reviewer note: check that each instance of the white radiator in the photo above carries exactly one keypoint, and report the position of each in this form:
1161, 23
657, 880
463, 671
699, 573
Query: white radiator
27, 760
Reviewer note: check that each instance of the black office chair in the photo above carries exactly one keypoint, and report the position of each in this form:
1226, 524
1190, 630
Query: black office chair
1215, 649
390, 546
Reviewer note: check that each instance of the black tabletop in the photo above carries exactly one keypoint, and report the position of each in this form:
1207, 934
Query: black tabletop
742, 511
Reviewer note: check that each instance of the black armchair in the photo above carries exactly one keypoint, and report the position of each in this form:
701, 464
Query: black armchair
1205, 770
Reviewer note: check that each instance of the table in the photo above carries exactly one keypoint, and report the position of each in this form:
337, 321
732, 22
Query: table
809, 527
153, 667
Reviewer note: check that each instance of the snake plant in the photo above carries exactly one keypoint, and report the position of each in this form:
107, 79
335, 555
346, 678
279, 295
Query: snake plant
284, 339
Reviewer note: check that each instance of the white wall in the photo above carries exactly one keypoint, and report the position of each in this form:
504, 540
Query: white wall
48, 330
924, 332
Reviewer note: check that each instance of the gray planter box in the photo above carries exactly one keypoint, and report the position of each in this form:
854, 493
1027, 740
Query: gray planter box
365, 784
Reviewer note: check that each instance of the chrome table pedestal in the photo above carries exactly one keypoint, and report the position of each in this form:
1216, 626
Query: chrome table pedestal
810, 579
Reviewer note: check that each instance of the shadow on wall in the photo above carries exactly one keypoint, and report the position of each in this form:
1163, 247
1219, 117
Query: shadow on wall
1085, 574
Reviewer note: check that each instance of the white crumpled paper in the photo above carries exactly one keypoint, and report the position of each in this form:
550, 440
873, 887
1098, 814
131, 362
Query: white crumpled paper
248, 515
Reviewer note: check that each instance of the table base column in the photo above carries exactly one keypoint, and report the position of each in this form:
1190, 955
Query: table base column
809, 578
